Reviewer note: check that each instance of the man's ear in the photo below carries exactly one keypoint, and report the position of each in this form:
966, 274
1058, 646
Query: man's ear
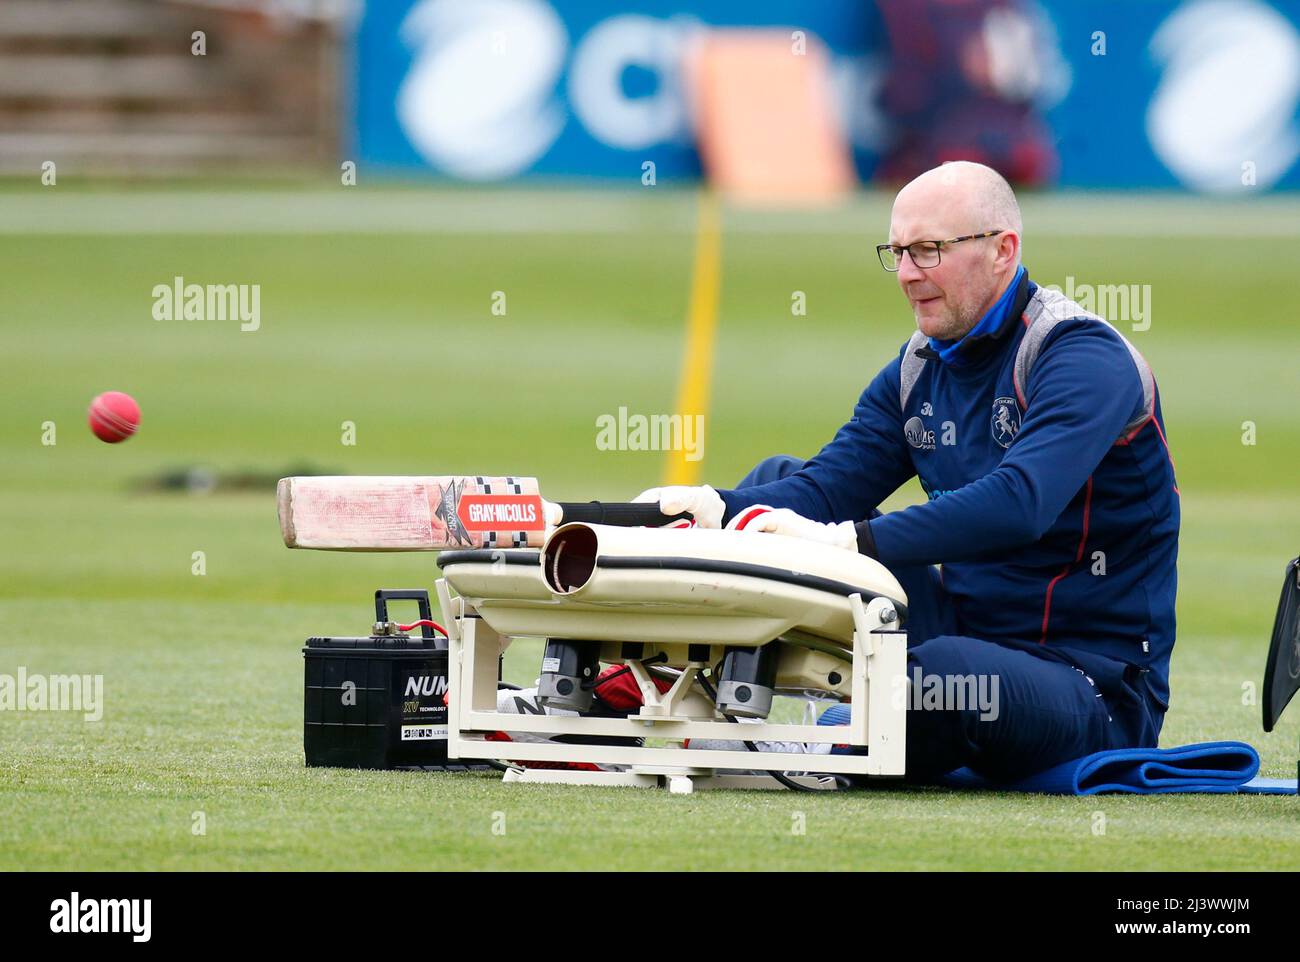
1007, 252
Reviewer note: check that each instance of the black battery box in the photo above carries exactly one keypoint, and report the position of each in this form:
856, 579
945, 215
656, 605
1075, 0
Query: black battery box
380, 701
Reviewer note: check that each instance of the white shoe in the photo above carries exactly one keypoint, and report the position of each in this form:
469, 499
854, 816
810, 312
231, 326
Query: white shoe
523, 701
790, 748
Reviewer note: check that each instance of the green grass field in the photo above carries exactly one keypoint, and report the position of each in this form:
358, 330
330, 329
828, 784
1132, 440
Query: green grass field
376, 309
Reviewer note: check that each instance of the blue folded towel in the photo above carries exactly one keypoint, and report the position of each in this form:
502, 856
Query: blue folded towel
1220, 767
1210, 767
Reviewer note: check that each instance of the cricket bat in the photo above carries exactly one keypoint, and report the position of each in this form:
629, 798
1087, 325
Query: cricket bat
358, 513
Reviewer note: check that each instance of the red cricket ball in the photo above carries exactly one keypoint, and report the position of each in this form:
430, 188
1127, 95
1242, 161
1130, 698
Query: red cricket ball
113, 416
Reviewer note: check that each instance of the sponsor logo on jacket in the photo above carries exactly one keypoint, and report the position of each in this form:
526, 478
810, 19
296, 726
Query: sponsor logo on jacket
918, 435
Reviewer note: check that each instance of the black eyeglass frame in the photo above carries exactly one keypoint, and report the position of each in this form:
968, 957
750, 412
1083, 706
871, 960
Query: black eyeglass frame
938, 249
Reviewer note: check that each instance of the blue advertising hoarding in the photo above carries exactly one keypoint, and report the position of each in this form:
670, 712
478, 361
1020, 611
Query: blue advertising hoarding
1201, 94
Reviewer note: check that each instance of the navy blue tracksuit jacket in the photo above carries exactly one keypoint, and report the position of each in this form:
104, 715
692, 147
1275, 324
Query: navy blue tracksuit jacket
1053, 507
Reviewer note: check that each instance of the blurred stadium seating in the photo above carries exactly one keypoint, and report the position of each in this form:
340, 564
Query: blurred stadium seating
112, 86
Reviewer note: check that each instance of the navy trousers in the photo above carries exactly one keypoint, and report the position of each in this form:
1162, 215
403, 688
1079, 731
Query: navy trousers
1003, 708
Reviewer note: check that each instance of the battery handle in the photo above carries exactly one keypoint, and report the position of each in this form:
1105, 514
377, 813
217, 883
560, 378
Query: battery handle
418, 595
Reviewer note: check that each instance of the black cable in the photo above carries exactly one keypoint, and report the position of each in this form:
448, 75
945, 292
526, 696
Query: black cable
780, 777
590, 685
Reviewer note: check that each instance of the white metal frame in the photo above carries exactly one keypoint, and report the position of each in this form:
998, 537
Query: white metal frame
878, 718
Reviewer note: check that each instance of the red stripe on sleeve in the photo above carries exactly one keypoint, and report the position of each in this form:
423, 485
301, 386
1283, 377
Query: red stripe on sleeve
1078, 556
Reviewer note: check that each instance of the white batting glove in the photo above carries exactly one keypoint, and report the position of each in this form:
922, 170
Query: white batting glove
760, 517
703, 503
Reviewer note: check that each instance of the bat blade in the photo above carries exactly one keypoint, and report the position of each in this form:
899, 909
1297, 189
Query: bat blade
378, 513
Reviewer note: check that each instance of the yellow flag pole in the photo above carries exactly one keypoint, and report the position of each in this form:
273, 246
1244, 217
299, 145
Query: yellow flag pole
701, 332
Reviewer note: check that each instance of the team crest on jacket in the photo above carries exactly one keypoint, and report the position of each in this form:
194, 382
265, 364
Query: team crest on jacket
1005, 420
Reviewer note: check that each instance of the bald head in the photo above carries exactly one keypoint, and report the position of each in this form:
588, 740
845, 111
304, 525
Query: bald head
972, 196
956, 200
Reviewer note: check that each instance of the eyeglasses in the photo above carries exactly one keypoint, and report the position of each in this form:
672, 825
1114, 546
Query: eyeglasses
925, 254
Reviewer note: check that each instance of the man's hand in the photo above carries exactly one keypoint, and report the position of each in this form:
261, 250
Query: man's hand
702, 502
760, 517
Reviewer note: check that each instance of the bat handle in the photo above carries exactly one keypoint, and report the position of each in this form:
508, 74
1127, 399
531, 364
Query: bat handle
625, 514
